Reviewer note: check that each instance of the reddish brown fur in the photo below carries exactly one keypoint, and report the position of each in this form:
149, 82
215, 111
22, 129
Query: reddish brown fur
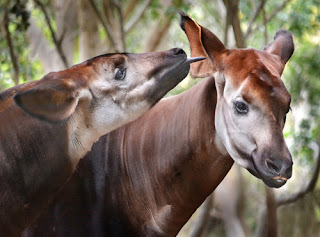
148, 177
36, 156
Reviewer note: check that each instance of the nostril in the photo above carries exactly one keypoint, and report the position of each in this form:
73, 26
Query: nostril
288, 170
178, 51
273, 167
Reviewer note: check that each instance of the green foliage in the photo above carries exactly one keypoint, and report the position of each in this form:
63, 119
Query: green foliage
302, 142
18, 23
21, 15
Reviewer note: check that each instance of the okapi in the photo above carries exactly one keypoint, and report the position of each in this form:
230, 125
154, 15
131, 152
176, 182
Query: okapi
148, 177
47, 126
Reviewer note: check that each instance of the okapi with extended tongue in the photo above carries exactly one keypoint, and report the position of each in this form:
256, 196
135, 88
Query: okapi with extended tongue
148, 177
47, 126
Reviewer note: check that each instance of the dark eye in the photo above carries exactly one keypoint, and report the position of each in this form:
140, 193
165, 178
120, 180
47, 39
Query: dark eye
241, 107
120, 74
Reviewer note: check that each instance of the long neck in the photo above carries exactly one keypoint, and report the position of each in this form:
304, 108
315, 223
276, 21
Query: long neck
171, 164
34, 165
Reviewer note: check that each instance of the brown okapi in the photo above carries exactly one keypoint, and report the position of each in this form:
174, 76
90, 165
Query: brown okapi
148, 177
47, 126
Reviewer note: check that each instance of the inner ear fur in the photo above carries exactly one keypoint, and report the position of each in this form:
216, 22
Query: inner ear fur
282, 46
53, 101
203, 43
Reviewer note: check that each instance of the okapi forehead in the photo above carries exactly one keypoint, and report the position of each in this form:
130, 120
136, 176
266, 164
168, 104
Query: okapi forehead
240, 63
266, 88
257, 74
105, 62
103, 57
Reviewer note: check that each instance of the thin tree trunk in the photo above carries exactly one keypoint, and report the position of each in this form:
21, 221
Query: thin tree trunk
160, 28
6, 33
67, 26
56, 41
134, 20
232, 7
229, 199
271, 219
259, 8
227, 25
89, 34
199, 227
129, 9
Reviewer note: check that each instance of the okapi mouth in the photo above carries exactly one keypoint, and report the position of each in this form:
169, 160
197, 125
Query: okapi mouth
169, 74
270, 181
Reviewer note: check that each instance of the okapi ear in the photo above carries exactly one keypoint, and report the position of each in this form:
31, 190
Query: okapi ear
203, 43
282, 46
50, 100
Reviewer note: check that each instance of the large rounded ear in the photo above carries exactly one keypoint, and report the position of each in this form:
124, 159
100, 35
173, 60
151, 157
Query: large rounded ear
203, 43
50, 100
282, 46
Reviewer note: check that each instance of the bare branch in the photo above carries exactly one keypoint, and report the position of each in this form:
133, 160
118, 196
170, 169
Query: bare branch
227, 24
122, 41
267, 224
273, 14
198, 227
271, 224
265, 26
236, 24
287, 199
6, 33
106, 27
53, 35
277, 10
254, 17
134, 20
129, 9
233, 8
157, 35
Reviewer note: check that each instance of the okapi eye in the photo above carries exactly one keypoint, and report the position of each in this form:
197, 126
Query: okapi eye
120, 74
241, 107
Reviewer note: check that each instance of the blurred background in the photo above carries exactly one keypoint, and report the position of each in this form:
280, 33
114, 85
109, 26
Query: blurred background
40, 36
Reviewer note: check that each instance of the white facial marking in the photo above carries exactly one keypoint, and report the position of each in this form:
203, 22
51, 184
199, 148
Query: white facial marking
110, 104
238, 132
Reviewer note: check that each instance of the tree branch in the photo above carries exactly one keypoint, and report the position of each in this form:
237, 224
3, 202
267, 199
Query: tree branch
227, 23
233, 8
122, 41
106, 27
254, 17
53, 35
129, 9
236, 25
287, 199
277, 10
265, 26
134, 20
271, 225
273, 14
6, 33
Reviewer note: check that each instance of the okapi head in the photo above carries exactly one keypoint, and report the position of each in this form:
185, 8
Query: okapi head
103, 93
252, 101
